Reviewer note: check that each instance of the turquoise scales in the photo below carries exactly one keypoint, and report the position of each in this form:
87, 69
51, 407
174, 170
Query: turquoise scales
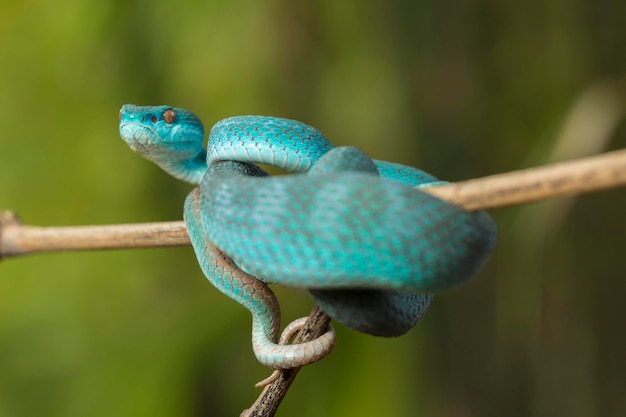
356, 232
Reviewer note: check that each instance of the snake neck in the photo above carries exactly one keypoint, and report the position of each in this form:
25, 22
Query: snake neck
189, 170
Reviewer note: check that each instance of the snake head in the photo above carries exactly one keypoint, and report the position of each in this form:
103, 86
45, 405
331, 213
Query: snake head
161, 132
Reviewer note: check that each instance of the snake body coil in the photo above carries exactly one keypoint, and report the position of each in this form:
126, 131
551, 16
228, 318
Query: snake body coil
358, 233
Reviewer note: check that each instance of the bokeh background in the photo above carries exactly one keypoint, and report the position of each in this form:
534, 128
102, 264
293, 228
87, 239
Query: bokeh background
460, 89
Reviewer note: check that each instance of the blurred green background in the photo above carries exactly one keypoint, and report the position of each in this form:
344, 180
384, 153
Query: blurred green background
460, 89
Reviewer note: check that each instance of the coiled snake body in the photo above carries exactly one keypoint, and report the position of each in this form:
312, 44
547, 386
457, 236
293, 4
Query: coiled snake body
357, 233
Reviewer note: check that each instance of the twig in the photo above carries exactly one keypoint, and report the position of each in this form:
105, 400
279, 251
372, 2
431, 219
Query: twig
17, 239
524, 186
560, 179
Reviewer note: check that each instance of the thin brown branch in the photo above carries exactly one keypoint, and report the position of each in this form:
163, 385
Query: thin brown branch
560, 179
17, 239
518, 187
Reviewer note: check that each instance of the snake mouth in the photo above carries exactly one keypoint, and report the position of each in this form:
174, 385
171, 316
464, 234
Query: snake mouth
139, 148
138, 137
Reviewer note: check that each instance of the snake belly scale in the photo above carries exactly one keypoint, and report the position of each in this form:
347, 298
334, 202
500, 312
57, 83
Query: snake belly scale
357, 233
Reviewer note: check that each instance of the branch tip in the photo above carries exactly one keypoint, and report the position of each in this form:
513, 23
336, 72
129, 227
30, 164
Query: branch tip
8, 221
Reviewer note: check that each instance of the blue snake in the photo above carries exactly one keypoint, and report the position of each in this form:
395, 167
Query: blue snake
357, 233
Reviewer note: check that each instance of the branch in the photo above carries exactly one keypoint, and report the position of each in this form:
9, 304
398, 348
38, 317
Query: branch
17, 239
524, 186
560, 179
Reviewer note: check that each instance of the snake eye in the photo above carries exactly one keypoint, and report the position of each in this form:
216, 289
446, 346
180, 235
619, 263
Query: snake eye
169, 116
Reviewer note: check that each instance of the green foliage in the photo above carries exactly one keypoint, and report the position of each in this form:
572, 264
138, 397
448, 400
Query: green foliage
461, 90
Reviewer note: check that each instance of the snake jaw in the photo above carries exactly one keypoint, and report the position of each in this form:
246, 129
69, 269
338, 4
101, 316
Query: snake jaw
138, 138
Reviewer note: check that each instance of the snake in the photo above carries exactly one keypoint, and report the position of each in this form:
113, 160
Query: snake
357, 233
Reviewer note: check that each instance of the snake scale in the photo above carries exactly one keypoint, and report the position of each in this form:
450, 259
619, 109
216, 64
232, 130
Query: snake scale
357, 233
